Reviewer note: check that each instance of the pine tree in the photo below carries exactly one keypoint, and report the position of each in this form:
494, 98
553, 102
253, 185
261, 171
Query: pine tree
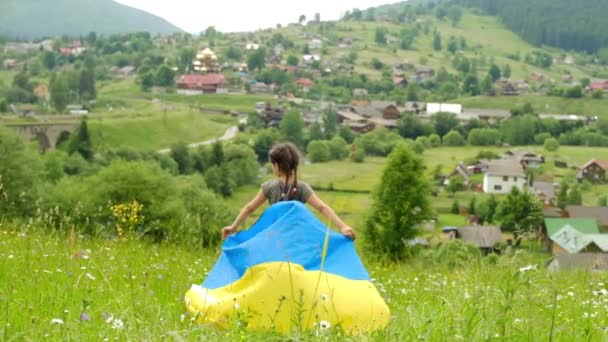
81, 143
400, 203
60, 92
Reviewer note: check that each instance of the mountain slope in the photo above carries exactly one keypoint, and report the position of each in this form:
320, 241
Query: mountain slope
33, 19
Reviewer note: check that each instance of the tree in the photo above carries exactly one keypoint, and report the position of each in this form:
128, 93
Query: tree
377, 64
233, 53
412, 95
452, 45
330, 122
495, 72
81, 143
60, 92
400, 203
380, 37
487, 210
256, 60
574, 92
263, 143
472, 206
146, 80
520, 213
453, 138
506, 71
574, 196
301, 19
86, 84
562, 197
292, 128
318, 151
444, 122
19, 176
181, 155
292, 60
551, 144
317, 17
437, 42
315, 131
186, 56
49, 60
217, 153
455, 208
456, 184
338, 148
22, 81
346, 133
165, 76
471, 85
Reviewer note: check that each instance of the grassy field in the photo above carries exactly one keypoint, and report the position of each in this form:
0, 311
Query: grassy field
54, 287
541, 104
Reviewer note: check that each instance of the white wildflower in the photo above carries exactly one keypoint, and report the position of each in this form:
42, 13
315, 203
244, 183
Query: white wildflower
527, 268
570, 293
117, 324
57, 321
11, 256
90, 276
467, 295
517, 321
324, 325
236, 305
585, 314
182, 318
109, 319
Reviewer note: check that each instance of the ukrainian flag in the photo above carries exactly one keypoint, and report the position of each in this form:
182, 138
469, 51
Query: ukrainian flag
289, 271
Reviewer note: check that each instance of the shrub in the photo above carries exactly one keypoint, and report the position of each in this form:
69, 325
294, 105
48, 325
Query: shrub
379, 142
318, 151
551, 145
338, 148
435, 140
540, 138
357, 156
484, 137
453, 138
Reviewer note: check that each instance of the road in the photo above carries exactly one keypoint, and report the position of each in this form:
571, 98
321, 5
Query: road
229, 134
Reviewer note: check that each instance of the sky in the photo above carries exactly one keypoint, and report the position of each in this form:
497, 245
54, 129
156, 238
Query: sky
245, 15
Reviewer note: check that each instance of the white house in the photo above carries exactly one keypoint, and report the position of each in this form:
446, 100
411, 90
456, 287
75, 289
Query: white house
434, 108
315, 44
502, 176
252, 46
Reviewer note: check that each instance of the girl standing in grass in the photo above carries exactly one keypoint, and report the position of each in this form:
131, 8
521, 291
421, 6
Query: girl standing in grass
285, 159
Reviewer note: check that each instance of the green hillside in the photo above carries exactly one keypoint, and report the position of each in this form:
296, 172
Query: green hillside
32, 19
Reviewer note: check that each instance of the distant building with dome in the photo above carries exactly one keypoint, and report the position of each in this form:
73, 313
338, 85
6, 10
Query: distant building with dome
206, 62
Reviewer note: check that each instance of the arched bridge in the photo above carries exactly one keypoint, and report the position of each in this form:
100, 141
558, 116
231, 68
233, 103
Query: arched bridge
48, 135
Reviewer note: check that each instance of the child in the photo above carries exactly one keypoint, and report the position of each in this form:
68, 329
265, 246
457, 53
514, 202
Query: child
285, 159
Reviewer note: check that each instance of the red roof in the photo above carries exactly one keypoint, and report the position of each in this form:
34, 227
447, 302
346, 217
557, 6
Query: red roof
305, 82
601, 163
599, 85
195, 81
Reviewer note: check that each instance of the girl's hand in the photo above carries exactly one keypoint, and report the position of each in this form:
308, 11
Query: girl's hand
227, 231
349, 232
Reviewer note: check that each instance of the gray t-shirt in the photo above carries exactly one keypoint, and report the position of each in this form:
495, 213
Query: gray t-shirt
274, 190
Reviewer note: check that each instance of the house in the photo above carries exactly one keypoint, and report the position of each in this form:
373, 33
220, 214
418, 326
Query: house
10, 63
526, 159
344, 116
490, 115
484, 237
434, 108
600, 214
594, 171
567, 78
252, 46
567, 237
414, 107
502, 175
571, 262
545, 192
537, 77
399, 81
126, 71
569, 240
423, 72
305, 84
601, 85
260, 88
278, 49
564, 117
271, 115
315, 44
307, 59
193, 84
462, 171
42, 92
388, 123
360, 93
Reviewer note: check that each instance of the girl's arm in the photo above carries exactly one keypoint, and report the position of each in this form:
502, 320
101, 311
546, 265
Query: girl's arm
251, 207
324, 209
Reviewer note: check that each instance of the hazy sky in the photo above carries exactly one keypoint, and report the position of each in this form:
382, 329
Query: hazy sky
244, 15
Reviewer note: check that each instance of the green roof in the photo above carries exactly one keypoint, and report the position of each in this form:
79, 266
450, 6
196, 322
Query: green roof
583, 225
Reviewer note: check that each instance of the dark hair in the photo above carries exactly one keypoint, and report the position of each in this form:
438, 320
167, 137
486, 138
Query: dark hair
287, 158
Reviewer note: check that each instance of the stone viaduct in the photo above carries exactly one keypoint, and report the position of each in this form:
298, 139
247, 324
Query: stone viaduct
48, 135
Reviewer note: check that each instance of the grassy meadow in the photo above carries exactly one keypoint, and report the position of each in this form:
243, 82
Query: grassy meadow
56, 288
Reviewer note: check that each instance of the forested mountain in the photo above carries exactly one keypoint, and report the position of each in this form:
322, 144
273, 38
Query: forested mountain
31, 19
571, 25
